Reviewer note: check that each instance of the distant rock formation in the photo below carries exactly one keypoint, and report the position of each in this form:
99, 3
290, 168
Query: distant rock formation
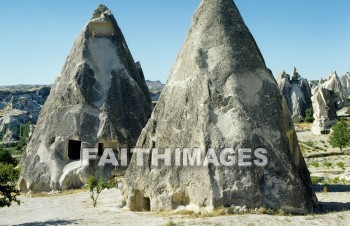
155, 88
220, 95
333, 84
297, 93
325, 113
29, 99
327, 98
345, 81
19, 105
99, 100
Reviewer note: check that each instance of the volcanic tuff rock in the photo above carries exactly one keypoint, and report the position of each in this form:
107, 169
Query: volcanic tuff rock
100, 99
297, 93
325, 113
345, 81
220, 95
333, 84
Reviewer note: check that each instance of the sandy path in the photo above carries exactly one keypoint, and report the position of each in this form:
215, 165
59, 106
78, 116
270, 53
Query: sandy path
76, 209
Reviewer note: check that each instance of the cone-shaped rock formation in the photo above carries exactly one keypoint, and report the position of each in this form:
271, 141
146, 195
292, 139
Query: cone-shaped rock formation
297, 93
100, 99
220, 95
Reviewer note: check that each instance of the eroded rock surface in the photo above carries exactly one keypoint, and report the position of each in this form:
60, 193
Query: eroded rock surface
297, 93
220, 94
99, 100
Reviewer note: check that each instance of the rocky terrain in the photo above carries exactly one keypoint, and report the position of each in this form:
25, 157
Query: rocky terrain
155, 88
76, 209
21, 104
219, 95
216, 96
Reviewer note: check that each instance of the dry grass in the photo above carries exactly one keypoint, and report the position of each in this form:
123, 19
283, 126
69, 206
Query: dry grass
55, 194
219, 212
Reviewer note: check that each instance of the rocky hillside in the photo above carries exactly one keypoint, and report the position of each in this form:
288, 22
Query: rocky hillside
155, 88
21, 105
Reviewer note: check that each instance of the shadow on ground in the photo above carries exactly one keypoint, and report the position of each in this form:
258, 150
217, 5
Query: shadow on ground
328, 207
49, 222
332, 188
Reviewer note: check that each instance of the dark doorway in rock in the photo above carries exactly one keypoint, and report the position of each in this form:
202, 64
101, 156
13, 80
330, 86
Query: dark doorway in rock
74, 147
101, 148
140, 202
180, 199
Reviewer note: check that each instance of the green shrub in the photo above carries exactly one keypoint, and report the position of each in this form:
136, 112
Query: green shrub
341, 165
8, 178
309, 115
316, 180
327, 164
314, 164
6, 157
95, 186
340, 137
309, 143
170, 223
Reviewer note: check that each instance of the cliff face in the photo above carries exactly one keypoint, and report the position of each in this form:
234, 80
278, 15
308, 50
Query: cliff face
220, 94
99, 100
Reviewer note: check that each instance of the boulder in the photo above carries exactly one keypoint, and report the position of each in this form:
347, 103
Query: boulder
219, 94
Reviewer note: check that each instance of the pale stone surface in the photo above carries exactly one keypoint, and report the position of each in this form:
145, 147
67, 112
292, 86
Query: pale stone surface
99, 97
334, 85
345, 81
297, 93
324, 110
327, 97
220, 94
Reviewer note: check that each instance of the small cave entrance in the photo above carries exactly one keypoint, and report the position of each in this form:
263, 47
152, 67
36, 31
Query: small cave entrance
140, 202
101, 148
180, 199
74, 147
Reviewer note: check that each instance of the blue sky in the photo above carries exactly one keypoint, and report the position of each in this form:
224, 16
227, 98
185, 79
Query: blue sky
36, 36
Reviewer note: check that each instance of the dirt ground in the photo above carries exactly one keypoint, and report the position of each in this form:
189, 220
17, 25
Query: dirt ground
76, 209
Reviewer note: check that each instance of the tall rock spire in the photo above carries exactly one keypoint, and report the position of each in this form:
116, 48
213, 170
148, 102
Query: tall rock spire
220, 95
100, 99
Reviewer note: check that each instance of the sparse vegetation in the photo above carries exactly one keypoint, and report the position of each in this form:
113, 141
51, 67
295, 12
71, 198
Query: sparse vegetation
337, 180
170, 223
309, 143
95, 186
341, 165
327, 164
316, 180
314, 164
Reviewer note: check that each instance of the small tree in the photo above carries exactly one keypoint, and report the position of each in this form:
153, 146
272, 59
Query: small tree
8, 192
8, 177
6, 157
340, 137
309, 115
96, 185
